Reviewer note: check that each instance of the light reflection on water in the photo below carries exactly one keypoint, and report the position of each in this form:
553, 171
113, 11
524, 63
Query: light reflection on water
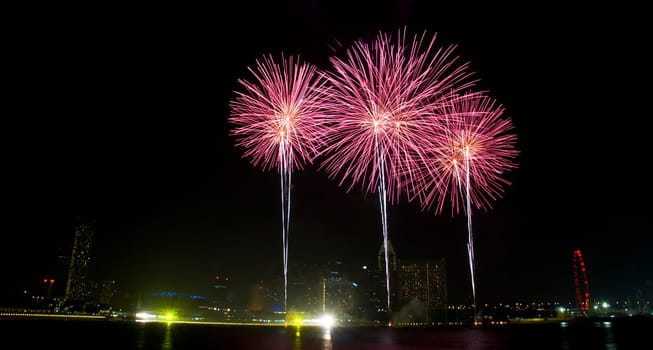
126, 335
298, 341
326, 339
609, 337
167, 338
601, 330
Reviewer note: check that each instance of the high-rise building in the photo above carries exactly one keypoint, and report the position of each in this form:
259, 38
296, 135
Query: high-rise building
220, 292
304, 287
337, 292
106, 290
373, 301
78, 287
391, 275
256, 301
422, 292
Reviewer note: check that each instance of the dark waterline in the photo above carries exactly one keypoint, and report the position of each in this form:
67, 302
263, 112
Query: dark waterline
104, 334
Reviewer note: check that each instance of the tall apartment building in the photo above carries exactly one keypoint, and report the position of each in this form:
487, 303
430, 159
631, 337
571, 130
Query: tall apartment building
220, 293
422, 291
78, 287
337, 292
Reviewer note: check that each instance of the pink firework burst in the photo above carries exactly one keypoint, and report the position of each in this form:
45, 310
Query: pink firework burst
279, 120
281, 113
472, 139
383, 95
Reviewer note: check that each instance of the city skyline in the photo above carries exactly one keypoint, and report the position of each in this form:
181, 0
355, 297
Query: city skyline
122, 117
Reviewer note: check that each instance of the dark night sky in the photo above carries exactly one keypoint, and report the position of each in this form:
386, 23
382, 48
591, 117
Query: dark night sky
121, 114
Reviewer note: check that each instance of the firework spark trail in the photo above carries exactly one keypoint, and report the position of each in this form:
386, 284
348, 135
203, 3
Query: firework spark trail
383, 204
473, 134
383, 95
286, 179
279, 118
470, 235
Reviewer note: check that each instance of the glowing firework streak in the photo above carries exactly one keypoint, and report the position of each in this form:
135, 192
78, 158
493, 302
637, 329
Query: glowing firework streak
472, 150
279, 120
383, 95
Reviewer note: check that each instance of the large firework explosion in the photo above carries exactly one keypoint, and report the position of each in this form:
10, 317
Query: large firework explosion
279, 119
471, 138
383, 97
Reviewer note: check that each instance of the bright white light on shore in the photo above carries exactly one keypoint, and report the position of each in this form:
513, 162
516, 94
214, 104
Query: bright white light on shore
327, 321
145, 316
605, 305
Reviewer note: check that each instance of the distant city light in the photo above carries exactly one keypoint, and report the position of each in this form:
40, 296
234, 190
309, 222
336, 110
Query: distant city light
327, 321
